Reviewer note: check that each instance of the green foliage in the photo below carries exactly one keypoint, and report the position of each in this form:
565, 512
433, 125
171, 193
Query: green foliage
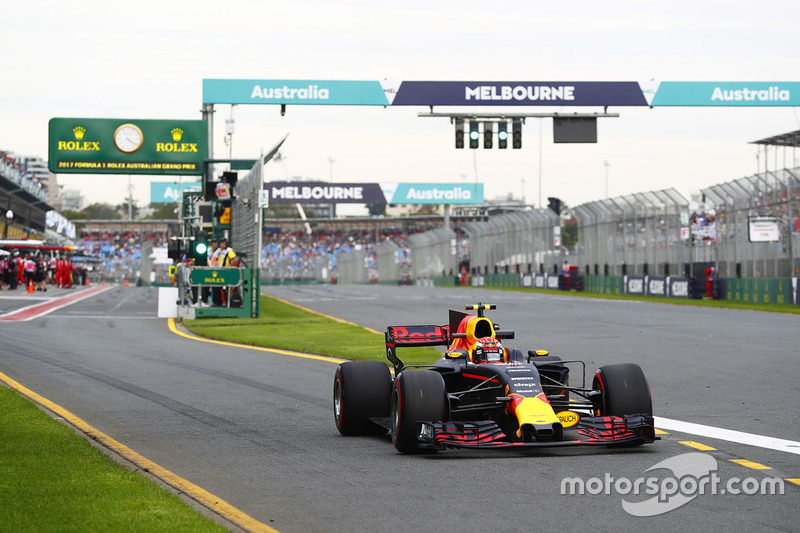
102, 211
122, 209
718, 304
426, 209
72, 215
569, 232
376, 209
163, 212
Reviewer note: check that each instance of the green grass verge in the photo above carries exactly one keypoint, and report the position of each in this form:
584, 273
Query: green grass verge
53, 480
717, 304
288, 327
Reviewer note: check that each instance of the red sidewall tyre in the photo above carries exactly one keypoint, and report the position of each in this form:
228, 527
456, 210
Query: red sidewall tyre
418, 395
625, 390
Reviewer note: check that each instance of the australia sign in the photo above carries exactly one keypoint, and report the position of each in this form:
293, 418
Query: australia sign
500, 93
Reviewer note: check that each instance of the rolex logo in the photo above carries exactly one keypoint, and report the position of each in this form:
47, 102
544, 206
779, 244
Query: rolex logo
79, 131
177, 133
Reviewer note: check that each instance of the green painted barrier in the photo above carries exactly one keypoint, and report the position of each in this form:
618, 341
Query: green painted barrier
759, 290
604, 284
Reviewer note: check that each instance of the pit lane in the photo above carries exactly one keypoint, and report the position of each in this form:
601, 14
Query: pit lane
256, 429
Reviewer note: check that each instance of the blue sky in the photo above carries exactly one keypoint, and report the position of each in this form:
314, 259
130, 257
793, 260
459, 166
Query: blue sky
103, 59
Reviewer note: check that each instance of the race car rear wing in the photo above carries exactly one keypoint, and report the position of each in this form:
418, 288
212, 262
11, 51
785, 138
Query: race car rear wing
406, 336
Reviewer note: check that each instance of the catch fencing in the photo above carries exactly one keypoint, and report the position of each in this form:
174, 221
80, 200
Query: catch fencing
657, 233
653, 234
644, 233
245, 220
775, 195
519, 241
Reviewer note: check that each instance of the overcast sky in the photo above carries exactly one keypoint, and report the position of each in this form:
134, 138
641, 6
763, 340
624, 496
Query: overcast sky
147, 60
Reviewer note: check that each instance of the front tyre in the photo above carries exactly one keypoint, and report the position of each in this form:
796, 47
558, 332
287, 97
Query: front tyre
361, 390
625, 390
417, 395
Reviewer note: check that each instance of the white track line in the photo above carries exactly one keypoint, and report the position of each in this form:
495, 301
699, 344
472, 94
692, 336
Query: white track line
750, 439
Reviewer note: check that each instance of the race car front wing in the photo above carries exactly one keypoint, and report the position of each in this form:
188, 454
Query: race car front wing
629, 430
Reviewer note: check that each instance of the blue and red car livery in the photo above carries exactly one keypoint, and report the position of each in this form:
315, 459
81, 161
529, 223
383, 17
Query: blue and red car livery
480, 394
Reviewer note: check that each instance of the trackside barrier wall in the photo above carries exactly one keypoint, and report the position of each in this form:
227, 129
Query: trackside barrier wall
759, 290
604, 284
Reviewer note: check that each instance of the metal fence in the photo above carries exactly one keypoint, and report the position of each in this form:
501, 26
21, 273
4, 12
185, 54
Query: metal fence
658, 233
245, 220
514, 242
433, 253
644, 233
655, 233
423, 255
726, 241
392, 261
287, 265
351, 267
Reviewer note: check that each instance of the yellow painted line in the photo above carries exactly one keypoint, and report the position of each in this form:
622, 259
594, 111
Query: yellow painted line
795, 480
697, 445
174, 329
323, 314
216, 504
750, 464
659, 432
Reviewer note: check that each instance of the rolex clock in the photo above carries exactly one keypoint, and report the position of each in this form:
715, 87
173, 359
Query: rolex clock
128, 138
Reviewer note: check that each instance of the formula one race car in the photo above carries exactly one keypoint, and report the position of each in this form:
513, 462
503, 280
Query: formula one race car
482, 395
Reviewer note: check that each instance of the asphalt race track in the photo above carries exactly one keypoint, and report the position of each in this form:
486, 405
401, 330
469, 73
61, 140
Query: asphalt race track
256, 429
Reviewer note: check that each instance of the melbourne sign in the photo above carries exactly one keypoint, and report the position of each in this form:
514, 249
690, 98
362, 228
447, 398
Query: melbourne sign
306, 192
127, 146
501, 93
386, 93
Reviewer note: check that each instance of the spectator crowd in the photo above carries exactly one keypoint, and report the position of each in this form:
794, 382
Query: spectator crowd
299, 255
118, 251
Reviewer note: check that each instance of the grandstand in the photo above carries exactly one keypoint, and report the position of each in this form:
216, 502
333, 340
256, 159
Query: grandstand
23, 199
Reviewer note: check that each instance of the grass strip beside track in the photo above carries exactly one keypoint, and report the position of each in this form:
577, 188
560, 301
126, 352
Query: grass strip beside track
691, 302
53, 480
286, 326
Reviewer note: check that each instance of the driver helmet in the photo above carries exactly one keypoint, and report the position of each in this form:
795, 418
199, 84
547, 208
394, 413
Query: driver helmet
488, 350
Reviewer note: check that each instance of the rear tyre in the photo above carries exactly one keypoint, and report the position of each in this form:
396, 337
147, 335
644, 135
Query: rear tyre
361, 390
625, 390
417, 395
